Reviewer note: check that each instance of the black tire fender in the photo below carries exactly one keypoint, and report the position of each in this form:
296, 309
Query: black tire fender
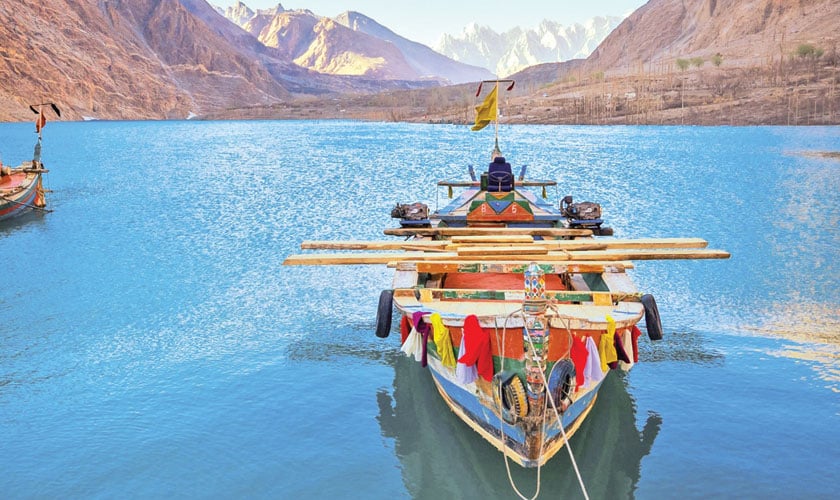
652, 321
384, 313
562, 383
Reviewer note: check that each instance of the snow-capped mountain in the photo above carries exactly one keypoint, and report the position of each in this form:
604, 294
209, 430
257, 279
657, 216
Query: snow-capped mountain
508, 52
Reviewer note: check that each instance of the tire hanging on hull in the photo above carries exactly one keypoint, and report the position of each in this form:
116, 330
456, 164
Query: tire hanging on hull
652, 321
384, 313
561, 383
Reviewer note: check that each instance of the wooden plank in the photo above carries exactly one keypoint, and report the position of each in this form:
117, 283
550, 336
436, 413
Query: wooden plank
371, 245
515, 267
493, 238
642, 254
582, 244
484, 251
617, 243
324, 259
476, 231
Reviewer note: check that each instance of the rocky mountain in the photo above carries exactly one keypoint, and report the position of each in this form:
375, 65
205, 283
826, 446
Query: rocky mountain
126, 59
351, 44
146, 59
323, 45
734, 62
508, 52
742, 32
425, 61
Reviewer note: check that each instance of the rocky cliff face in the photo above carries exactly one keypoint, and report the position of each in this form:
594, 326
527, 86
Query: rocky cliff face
156, 59
320, 44
123, 59
743, 32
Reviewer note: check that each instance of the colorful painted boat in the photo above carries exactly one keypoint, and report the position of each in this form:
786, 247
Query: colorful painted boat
21, 187
520, 308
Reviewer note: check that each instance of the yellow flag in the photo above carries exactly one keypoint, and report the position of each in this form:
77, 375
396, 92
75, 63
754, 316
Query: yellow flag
486, 111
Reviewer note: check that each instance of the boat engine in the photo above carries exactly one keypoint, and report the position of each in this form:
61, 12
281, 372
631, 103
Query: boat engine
584, 215
414, 214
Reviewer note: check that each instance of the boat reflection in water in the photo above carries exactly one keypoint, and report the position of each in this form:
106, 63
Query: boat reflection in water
442, 458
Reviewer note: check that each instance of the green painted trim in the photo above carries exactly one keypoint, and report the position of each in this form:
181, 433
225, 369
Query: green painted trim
595, 282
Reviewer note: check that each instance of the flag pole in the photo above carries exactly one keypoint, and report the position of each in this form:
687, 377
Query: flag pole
497, 114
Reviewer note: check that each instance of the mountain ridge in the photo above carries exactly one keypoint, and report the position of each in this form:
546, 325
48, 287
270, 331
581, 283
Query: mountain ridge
510, 51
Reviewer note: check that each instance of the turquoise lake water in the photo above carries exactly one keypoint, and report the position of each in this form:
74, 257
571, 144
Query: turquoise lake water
153, 346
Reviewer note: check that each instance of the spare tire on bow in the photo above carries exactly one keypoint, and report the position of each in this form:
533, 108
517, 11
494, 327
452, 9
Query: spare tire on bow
384, 312
652, 321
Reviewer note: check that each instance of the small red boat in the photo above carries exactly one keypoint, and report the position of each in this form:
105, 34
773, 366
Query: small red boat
21, 187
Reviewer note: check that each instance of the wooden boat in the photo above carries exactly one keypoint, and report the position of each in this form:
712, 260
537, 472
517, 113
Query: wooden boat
518, 307
21, 187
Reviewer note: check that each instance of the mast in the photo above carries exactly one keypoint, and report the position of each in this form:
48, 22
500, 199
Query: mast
496, 124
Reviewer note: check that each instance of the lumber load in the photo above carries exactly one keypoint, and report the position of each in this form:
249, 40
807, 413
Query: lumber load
321, 259
457, 242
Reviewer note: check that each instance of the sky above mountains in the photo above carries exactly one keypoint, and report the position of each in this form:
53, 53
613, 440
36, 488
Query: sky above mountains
426, 21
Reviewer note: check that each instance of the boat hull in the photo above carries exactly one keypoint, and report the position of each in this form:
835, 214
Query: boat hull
531, 442
20, 192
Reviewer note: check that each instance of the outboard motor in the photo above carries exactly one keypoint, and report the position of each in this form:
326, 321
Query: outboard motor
414, 214
584, 215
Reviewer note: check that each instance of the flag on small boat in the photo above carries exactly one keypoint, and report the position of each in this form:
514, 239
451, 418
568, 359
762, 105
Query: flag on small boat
41, 121
486, 111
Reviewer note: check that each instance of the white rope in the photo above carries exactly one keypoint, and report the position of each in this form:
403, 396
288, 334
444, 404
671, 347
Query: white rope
501, 413
554, 406
550, 399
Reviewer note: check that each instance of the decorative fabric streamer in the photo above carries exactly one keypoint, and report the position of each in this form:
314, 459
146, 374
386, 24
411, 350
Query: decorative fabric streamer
412, 345
478, 348
463, 373
405, 329
592, 373
443, 342
423, 329
620, 352
579, 355
636, 334
606, 346
627, 342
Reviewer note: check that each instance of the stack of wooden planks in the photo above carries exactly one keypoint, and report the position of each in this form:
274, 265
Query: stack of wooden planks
512, 245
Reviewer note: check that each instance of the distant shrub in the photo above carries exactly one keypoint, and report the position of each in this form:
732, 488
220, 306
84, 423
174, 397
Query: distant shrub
806, 50
697, 61
717, 59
